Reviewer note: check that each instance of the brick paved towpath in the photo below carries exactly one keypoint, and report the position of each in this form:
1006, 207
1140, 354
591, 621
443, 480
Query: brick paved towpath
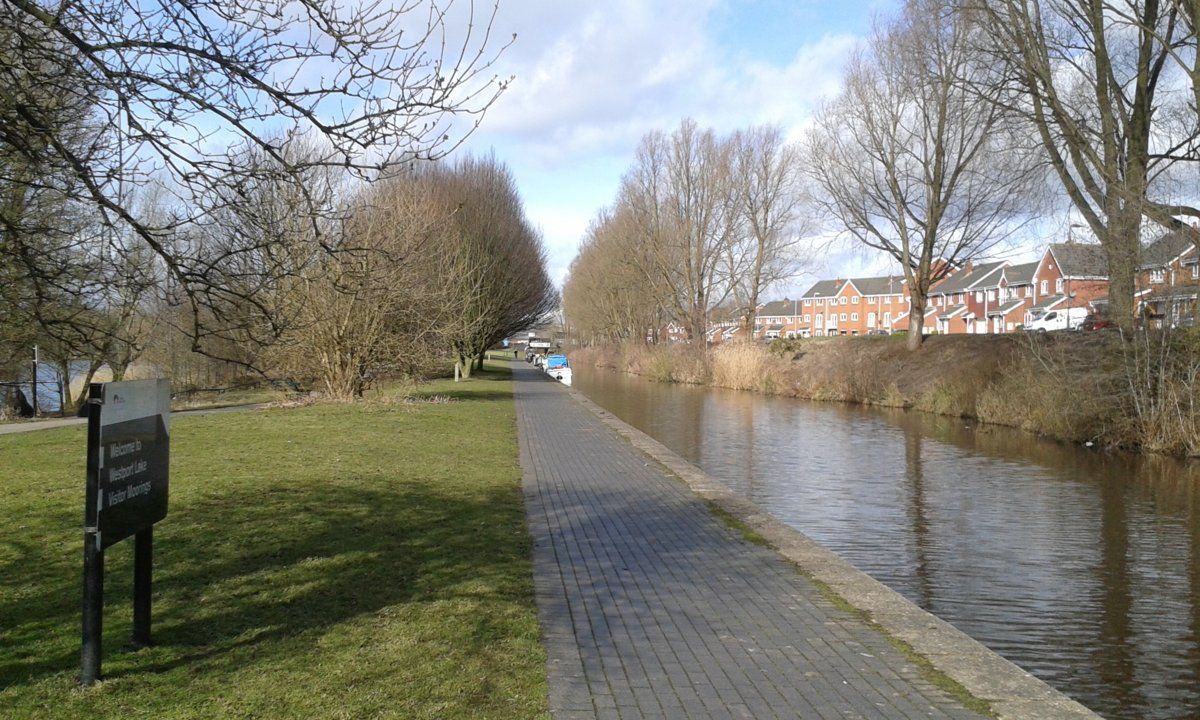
652, 607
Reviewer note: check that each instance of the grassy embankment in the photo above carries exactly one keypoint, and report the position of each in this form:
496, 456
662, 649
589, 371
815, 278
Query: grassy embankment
331, 561
1080, 387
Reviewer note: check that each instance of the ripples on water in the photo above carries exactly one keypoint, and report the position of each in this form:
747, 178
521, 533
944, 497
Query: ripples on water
1081, 567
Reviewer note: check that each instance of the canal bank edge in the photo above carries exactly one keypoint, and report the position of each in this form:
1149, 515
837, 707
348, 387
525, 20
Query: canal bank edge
1012, 693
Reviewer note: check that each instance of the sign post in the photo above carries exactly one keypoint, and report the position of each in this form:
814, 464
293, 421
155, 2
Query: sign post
128, 458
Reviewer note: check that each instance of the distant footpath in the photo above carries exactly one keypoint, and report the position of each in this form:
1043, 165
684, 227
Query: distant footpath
1096, 388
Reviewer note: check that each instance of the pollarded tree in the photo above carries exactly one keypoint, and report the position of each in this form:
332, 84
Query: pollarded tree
490, 262
914, 158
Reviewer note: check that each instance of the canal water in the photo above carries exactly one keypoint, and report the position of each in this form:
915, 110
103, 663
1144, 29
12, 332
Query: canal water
1080, 566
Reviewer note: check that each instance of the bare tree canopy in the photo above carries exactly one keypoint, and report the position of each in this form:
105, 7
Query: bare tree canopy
679, 191
912, 159
490, 263
99, 99
1099, 83
767, 186
701, 221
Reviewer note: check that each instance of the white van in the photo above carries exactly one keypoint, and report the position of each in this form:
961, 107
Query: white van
1066, 319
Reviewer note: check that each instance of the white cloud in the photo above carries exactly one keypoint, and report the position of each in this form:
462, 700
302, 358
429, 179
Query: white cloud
592, 79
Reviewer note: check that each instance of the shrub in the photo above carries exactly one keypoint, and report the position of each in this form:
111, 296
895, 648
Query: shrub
1161, 371
746, 366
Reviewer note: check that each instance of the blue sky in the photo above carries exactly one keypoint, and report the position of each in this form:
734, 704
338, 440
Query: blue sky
592, 78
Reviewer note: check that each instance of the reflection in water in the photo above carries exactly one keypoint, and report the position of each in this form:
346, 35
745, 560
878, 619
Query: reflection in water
915, 478
1082, 567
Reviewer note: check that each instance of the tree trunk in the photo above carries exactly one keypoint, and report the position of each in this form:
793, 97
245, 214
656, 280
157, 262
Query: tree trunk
465, 365
916, 323
479, 360
698, 328
1122, 249
64, 369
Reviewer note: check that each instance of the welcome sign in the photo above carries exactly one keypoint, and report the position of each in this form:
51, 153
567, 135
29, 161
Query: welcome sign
133, 457
128, 458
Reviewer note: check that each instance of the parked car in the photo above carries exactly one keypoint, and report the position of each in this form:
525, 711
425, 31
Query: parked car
1068, 319
1097, 321
877, 331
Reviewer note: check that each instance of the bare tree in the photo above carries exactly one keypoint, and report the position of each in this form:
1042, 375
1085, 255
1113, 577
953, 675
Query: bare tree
183, 91
680, 192
767, 183
912, 158
608, 293
371, 313
491, 262
1093, 79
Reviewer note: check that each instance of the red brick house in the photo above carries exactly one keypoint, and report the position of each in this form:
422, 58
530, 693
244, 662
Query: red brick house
1016, 296
1070, 275
851, 306
672, 332
963, 299
778, 319
1167, 281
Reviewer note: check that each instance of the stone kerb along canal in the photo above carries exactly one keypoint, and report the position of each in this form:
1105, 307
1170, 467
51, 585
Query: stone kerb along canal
1080, 566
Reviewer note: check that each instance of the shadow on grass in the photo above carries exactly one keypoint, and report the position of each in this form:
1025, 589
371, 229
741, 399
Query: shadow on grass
260, 565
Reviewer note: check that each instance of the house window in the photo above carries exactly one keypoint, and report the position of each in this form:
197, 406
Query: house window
1029, 291
1156, 276
807, 303
854, 317
1045, 287
1196, 271
1058, 285
957, 298
870, 301
887, 317
806, 318
854, 299
991, 296
843, 318
842, 300
979, 296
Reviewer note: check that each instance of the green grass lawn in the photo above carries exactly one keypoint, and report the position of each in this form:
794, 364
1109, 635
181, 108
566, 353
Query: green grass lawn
333, 561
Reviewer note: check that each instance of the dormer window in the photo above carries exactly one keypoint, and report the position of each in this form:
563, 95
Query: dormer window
1157, 276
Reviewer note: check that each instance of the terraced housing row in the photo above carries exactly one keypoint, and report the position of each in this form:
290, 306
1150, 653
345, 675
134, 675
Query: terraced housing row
991, 297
